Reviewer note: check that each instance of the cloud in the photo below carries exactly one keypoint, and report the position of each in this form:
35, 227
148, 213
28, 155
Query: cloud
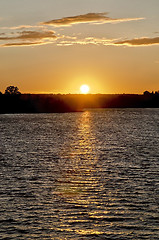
22, 44
37, 35
28, 38
95, 18
85, 41
108, 42
30, 35
139, 42
20, 27
27, 35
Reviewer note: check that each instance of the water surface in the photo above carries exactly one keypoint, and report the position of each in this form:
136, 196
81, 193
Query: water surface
89, 175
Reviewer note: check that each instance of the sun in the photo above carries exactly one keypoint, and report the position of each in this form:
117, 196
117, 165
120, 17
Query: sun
84, 89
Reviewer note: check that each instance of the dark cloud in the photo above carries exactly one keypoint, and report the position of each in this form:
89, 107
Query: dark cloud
22, 44
139, 42
28, 38
87, 18
36, 35
30, 35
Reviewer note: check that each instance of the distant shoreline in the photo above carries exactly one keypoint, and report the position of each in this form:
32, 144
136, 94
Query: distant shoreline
61, 103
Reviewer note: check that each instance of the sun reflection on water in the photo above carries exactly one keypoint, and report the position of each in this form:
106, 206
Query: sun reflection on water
78, 163
78, 184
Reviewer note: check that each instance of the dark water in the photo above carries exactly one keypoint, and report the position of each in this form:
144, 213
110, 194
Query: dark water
90, 175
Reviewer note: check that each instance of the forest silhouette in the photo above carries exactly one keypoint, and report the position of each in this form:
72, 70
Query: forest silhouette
12, 101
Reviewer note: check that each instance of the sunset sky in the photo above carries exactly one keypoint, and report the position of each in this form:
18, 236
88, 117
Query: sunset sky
50, 46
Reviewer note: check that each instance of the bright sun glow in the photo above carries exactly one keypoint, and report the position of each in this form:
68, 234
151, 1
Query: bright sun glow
84, 89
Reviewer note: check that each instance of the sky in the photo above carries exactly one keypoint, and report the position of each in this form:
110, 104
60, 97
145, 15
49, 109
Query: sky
50, 46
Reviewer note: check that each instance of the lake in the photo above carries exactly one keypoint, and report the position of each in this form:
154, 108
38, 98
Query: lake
87, 175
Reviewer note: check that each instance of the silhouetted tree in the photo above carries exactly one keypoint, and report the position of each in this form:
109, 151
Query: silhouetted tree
11, 90
147, 93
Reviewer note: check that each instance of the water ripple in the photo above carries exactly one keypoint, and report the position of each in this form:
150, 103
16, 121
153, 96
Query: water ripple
90, 175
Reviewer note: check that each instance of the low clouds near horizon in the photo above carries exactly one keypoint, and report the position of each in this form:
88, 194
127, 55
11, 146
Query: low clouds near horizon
139, 42
95, 18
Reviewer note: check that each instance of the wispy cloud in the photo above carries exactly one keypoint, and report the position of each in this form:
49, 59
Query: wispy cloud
139, 42
22, 44
109, 42
28, 38
30, 35
95, 18
21, 27
85, 41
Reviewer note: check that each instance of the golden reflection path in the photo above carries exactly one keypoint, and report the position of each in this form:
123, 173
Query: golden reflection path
78, 161
85, 205
78, 183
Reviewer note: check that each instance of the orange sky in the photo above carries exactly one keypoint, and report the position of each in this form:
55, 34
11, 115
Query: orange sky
113, 46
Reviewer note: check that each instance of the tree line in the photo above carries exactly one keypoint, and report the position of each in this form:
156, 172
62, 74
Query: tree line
12, 90
13, 101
